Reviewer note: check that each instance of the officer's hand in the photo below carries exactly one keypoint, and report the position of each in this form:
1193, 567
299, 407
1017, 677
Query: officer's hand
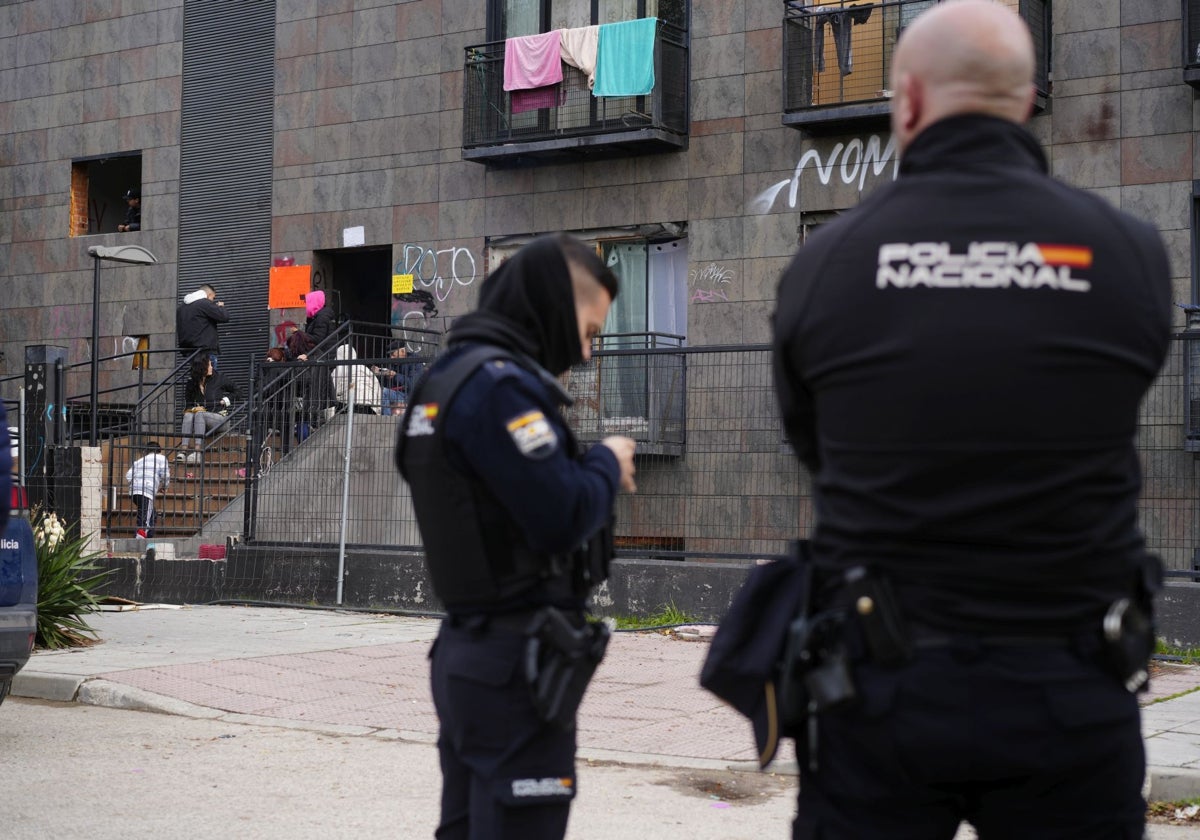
623, 448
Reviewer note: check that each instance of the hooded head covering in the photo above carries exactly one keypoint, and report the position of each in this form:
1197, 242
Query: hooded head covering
314, 302
528, 305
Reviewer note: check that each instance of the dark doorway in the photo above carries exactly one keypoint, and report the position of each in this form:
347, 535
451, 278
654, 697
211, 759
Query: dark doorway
358, 286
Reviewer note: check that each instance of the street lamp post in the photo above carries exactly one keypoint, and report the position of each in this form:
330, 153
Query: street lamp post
131, 254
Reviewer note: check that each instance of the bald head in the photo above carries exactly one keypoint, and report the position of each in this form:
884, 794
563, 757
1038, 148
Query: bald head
961, 57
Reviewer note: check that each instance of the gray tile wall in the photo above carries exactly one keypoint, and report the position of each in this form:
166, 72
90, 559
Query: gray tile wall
78, 80
368, 132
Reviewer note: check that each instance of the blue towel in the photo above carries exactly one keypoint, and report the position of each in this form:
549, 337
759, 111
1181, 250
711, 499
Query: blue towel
625, 58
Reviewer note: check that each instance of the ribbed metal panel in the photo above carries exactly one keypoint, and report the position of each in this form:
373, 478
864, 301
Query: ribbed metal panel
226, 159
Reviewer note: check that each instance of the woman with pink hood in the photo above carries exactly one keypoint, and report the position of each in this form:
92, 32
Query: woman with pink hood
320, 318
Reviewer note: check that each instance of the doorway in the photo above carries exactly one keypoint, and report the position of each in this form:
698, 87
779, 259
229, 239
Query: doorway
357, 282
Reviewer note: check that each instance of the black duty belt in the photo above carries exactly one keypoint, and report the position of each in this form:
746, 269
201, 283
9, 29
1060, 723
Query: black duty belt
928, 638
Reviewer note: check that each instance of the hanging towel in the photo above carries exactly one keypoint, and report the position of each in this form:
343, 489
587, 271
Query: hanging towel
532, 61
550, 96
579, 49
625, 58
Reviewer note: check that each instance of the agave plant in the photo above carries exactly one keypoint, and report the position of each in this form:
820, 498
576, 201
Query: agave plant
65, 587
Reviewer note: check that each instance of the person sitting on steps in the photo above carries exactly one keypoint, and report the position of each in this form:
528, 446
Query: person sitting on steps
209, 397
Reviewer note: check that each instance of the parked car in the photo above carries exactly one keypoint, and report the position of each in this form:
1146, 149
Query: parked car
18, 599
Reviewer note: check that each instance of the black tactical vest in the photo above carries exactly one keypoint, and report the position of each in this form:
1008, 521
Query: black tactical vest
475, 556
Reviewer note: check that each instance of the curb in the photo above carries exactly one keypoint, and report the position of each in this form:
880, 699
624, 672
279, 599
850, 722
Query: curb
1173, 784
1164, 784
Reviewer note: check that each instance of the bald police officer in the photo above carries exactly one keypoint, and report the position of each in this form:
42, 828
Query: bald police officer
515, 521
959, 363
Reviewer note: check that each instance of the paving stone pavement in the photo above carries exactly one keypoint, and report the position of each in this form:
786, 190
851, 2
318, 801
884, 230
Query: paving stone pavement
367, 674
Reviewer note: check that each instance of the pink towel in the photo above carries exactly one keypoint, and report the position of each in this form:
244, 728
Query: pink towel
550, 96
532, 61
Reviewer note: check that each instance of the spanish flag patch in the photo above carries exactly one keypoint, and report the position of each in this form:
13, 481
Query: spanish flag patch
533, 434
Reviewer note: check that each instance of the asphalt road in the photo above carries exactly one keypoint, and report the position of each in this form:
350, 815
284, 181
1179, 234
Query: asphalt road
73, 771
69, 771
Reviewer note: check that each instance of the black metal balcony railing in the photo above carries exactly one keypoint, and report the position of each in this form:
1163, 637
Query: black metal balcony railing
580, 123
837, 57
1191, 42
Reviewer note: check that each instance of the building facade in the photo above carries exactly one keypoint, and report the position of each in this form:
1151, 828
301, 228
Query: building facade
375, 140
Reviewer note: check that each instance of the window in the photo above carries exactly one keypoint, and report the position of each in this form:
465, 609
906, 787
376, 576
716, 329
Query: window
98, 187
513, 18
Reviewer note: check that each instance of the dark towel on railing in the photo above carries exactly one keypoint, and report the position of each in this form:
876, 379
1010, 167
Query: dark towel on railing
550, 96
840, 22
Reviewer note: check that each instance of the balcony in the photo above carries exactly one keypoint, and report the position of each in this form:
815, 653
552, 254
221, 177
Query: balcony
837, 59
635, 385
579, 126
1191, 42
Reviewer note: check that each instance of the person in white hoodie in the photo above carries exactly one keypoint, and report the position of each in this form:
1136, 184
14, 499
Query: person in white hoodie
354, 384
146, 477
196, 322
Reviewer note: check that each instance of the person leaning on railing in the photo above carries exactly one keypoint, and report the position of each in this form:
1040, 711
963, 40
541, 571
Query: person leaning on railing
209, 397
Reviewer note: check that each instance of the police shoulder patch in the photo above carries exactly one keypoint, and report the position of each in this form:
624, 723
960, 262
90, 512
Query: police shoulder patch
533, 434
420, 421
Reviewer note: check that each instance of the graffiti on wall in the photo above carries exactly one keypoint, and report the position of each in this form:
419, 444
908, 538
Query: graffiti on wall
439, 270
71, 325
852, 162
709, 284
414, 312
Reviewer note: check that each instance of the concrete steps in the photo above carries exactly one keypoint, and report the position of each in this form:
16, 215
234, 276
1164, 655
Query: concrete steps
197, 492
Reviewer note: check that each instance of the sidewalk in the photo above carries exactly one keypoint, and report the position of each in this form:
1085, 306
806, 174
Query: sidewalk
367, 674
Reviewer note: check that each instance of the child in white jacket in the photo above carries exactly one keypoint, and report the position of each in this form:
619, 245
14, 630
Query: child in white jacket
146, 477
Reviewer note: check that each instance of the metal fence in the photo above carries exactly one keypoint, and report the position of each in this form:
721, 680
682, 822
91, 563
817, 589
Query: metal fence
304, 472
492, 115
840, 51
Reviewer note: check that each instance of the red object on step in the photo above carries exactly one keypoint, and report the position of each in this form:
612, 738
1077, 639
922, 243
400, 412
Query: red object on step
212, 552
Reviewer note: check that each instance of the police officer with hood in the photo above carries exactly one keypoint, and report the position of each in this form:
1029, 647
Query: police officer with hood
516, 523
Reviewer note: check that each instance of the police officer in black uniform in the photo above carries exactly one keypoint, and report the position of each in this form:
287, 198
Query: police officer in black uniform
515, 520
959, 363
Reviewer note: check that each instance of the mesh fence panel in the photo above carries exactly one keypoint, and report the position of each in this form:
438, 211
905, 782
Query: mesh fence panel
716, 478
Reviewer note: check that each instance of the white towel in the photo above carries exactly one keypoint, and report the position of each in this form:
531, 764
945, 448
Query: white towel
579, 46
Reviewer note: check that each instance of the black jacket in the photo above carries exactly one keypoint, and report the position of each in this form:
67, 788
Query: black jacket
196, 324
959, 362
133, 218
320, 325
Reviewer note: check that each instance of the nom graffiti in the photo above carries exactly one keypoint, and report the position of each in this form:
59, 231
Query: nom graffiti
708, 284
440, 270
852, 162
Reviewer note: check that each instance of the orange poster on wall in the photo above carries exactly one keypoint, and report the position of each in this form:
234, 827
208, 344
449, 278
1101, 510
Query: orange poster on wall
288, 283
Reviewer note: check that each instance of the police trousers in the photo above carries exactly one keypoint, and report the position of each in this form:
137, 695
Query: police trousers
506, 775
1035, 742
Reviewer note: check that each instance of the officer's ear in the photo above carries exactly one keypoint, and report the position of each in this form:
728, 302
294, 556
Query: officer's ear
908, 104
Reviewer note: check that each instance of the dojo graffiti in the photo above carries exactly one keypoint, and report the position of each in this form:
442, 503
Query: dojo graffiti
440, 270
852, 162
708, 284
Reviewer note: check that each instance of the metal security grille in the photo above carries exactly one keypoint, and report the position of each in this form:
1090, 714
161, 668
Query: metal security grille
1191, 33
226, 157
571, 110
840, 51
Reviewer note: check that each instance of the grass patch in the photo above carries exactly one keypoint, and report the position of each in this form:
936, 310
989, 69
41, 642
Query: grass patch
666, 616
1187, 656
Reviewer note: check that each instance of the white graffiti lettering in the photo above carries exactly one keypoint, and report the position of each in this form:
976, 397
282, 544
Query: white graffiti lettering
440, 270
707, 282
858, 161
